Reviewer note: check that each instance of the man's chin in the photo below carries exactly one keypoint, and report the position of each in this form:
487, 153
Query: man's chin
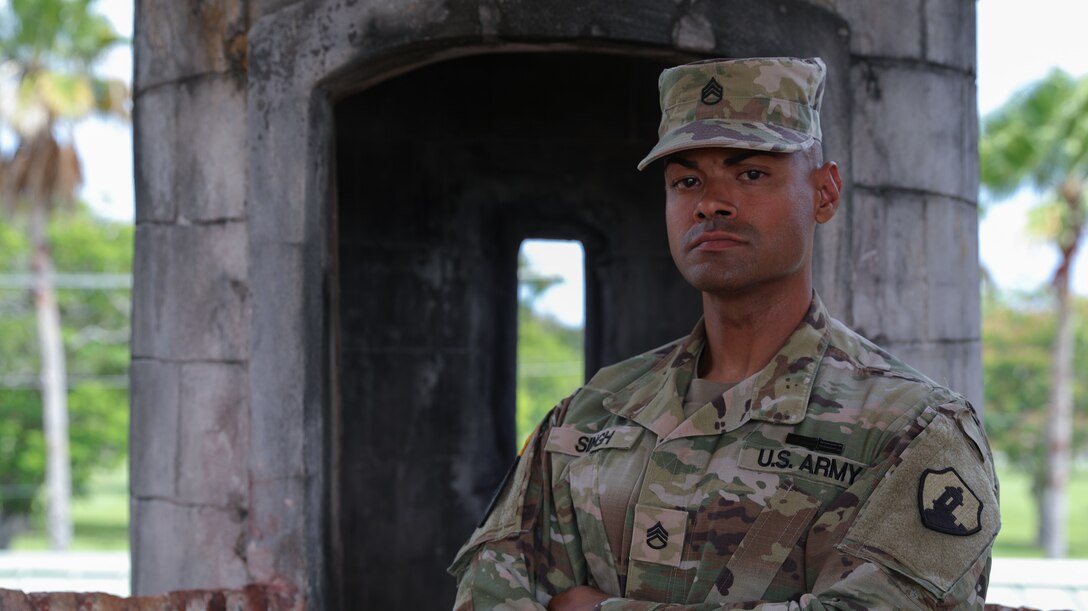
719, 286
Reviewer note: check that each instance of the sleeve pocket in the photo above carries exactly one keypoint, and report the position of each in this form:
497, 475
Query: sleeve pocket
934, 514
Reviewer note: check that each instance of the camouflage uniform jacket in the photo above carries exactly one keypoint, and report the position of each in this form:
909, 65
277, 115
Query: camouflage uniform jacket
835, 477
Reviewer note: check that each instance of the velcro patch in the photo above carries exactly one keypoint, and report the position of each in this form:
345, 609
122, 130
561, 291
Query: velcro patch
659, 535
569, 440
800, 462
888, 529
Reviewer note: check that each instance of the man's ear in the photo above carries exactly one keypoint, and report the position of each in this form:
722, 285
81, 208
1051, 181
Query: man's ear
828, 190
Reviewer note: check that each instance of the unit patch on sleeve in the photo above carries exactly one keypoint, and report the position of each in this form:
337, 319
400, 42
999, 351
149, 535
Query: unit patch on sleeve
947, 504
941, 486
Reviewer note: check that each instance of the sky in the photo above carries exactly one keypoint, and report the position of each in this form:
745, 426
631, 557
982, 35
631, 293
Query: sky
105, 145
1018, 43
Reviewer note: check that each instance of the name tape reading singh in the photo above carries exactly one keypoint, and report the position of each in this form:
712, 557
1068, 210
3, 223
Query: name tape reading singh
569, 440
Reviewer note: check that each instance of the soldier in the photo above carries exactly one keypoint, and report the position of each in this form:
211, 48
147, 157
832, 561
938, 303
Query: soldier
772, 457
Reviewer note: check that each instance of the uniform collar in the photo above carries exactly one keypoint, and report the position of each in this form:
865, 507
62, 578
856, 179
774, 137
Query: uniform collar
777, 393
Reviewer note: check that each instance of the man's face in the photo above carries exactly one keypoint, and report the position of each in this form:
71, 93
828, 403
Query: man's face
739, 219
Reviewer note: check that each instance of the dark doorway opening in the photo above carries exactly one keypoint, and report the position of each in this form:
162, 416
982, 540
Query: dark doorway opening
442, 172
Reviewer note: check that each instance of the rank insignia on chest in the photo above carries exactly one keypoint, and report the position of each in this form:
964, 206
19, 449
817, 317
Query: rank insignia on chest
946, 504
659, 535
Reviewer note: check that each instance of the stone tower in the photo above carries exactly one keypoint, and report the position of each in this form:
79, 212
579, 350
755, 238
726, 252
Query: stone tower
330, 196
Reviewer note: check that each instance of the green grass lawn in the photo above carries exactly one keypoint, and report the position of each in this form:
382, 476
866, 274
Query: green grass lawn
100, 518
1018, 516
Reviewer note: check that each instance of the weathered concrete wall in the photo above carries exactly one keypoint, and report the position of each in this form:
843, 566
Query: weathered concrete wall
238, 427
914, 194
190, 481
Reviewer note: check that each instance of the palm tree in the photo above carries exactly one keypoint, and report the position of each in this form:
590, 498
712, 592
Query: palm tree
1039, 139
49, 49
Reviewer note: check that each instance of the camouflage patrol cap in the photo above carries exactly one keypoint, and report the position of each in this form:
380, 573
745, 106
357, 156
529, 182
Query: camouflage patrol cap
765, 104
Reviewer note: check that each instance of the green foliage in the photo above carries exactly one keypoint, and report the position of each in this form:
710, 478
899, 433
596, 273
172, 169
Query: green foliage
1016, 359
550, 355
550, 366
1039, 137
55, 31
50, 49
95, 331
22, 451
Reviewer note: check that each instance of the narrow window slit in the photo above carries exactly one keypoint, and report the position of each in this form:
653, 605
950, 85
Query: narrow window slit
551, 325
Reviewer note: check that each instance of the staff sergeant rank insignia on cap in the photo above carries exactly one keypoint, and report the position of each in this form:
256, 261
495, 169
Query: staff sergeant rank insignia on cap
712, 92
947, 505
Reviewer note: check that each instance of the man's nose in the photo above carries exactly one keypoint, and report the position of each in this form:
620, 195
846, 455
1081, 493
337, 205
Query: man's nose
718, 201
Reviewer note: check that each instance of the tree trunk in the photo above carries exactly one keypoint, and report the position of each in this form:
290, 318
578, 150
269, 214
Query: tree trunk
54, 387
1038, 486
1059, 428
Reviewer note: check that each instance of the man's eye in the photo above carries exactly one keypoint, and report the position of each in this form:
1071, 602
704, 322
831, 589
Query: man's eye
752, 174
687, 182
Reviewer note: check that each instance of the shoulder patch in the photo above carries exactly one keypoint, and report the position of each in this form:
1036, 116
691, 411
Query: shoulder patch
892, 527
947, 504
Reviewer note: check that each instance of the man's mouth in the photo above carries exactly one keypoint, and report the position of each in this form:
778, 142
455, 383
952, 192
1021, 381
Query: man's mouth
716, 241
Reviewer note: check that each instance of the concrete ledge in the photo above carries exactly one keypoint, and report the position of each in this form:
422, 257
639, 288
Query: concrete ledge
249, 598
1044, 583
48, 571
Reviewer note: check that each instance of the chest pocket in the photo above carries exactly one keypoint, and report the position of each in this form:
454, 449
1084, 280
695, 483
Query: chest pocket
765, 547
601, 480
